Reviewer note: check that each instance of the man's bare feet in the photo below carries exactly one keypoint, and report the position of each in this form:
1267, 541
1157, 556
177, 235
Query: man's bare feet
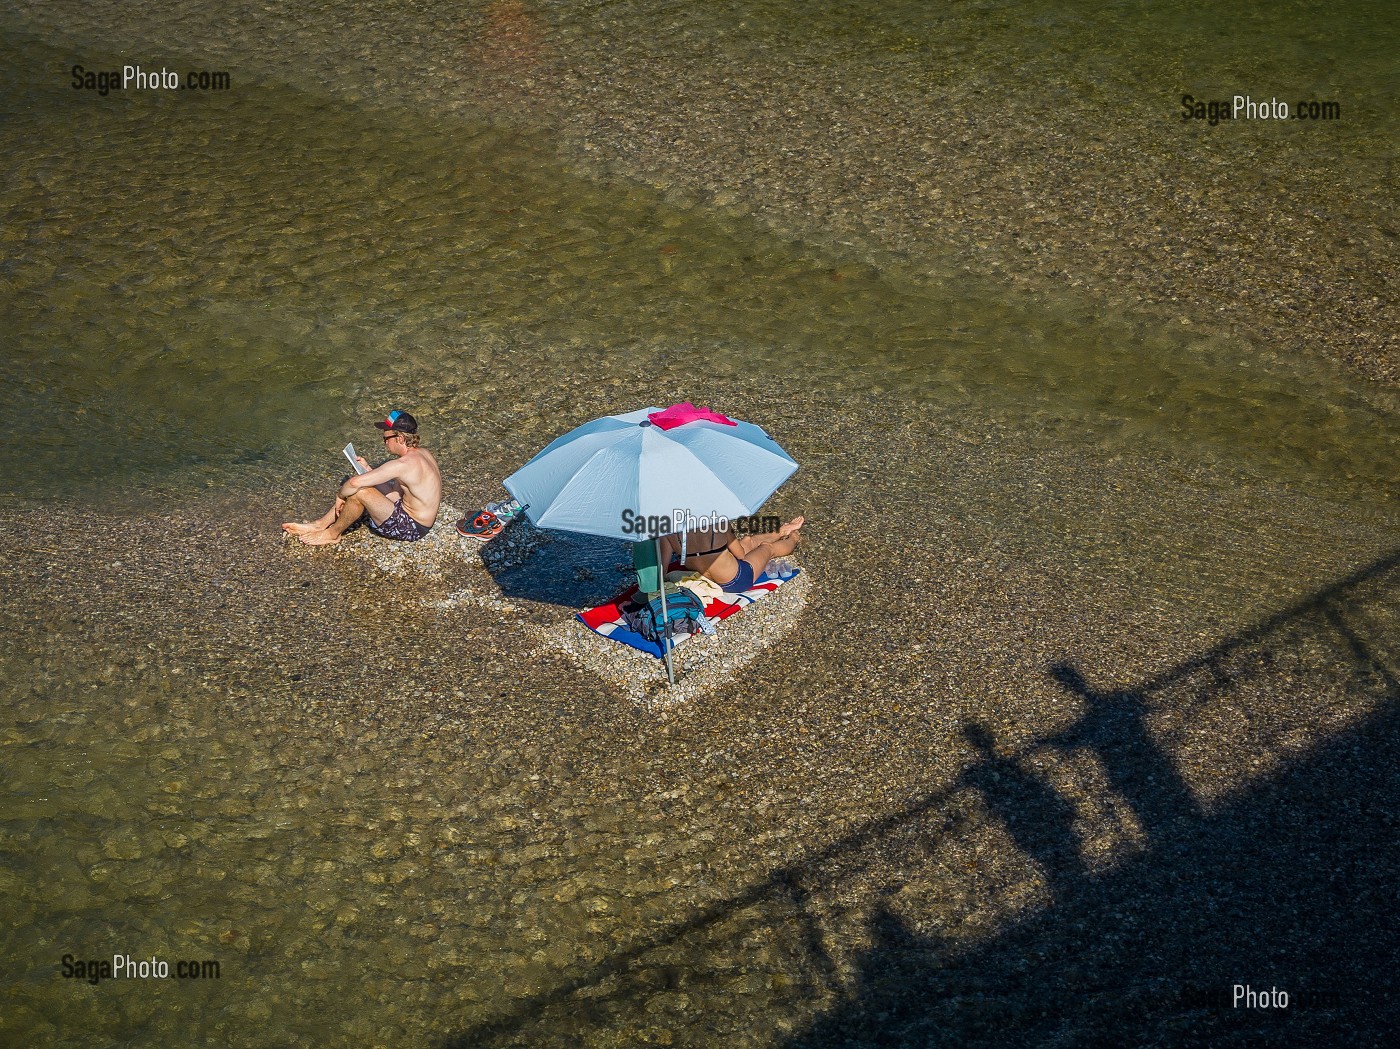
791, 527
324, 521
321, 537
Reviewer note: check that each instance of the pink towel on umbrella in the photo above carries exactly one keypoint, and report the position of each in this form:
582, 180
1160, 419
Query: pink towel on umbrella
685, 412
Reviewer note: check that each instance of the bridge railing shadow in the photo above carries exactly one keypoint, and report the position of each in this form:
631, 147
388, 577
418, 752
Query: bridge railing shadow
1187, 897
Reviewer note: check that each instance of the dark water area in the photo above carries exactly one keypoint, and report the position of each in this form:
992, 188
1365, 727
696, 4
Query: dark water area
1117, 557
200, 252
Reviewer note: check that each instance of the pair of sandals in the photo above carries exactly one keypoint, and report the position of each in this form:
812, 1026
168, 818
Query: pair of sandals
482, 527
491, 522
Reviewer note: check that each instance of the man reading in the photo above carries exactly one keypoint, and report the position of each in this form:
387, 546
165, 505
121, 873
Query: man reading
406, 513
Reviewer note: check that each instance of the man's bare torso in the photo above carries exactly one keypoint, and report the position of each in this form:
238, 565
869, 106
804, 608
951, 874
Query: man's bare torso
420, 480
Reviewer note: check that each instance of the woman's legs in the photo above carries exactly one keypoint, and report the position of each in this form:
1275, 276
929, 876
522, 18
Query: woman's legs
764, 552
756, 551
770, 544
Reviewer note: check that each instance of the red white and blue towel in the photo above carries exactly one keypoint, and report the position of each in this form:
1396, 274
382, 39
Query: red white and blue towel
607, 619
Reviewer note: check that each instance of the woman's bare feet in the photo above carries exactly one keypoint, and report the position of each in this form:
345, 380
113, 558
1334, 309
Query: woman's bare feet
791, 527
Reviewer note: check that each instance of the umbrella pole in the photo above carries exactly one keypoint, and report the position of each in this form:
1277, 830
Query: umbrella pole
665, 625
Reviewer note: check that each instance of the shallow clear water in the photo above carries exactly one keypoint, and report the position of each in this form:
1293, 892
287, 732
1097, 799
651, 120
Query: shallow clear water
215, 280
212, 292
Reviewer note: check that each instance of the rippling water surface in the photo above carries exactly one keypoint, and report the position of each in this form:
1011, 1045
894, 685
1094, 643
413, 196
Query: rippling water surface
205, 292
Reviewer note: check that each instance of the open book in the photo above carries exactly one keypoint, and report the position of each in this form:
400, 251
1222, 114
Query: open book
349, 452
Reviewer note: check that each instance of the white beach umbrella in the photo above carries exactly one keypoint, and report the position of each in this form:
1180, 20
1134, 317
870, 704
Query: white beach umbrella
604, 476
630, 476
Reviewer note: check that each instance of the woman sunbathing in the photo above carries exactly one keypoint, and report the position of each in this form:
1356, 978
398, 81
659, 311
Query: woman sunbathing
732, 561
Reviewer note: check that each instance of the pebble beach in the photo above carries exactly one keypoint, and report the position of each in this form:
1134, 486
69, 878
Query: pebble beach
1081, 711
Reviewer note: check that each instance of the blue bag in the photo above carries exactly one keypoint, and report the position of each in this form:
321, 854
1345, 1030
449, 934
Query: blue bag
685, 614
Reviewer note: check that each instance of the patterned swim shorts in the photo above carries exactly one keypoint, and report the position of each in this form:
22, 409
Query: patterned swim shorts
397, 525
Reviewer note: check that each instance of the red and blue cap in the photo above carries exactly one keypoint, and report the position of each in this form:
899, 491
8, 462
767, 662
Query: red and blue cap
401, 422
